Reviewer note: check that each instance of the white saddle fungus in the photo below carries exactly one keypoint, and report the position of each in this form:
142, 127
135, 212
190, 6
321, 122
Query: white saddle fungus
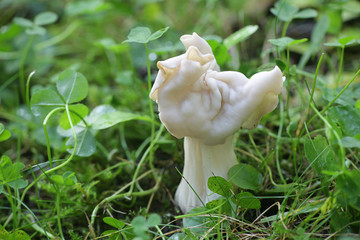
206, 107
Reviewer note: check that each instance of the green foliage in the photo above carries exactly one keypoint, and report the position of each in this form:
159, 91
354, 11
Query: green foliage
10, 174
286, 41
220, 186
347, 117
198, 224
72, 86
240, 36
35, 28
4, 133
77, 113
246, 176
342, 42
141, 225
86, 144
16, 235
144, 35
320, 155
220, 52
67, 179
247, 200
298, 177
105, 116
287, 12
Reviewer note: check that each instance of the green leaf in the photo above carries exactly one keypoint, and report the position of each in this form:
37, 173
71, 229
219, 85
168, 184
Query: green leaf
220, 51
220, 186
339, 220
347, 117
23, 22
153, 220
105, 116
158, 34
69, 178
298, 41
72, 86
138, 35
357, 104
348, 187
58, 179
286, 41
45, 18
75, 111
320, 155
18, 183
139, 224
281, 64
43, 101
240, 35
5, 135
86, 144
114, 222
36, 30
10, 173
306, 13
225, 206
342, 42
143, 35
2, 128
215, 203
245, 176
284, 11
19, 235
350, 142
247, 200
281, 42
197, 224
346, 40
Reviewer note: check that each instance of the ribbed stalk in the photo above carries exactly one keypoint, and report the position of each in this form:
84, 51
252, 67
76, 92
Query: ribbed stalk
201, 162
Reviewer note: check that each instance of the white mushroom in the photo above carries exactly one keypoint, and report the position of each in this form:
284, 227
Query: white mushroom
207, 107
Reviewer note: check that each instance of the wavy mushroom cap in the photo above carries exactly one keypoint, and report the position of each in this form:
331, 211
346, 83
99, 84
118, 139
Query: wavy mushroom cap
196, 100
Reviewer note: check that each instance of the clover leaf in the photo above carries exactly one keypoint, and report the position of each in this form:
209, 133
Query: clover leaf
144, 35
10, 173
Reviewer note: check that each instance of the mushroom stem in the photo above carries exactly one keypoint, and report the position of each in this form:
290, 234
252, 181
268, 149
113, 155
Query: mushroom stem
201, 162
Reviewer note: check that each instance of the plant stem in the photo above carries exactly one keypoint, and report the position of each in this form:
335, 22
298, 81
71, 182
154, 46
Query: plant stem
28, 89
148, 150
332, 102
151, 154
288, 77
314, 82
284, 30
340, 69
61, 165
22, 67
278, 141
48, 147
18, 147
342, 151
13, 207
58, 195
8, 82
117, 194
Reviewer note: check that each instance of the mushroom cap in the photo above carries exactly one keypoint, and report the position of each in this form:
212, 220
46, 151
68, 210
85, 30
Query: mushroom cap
198, 101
